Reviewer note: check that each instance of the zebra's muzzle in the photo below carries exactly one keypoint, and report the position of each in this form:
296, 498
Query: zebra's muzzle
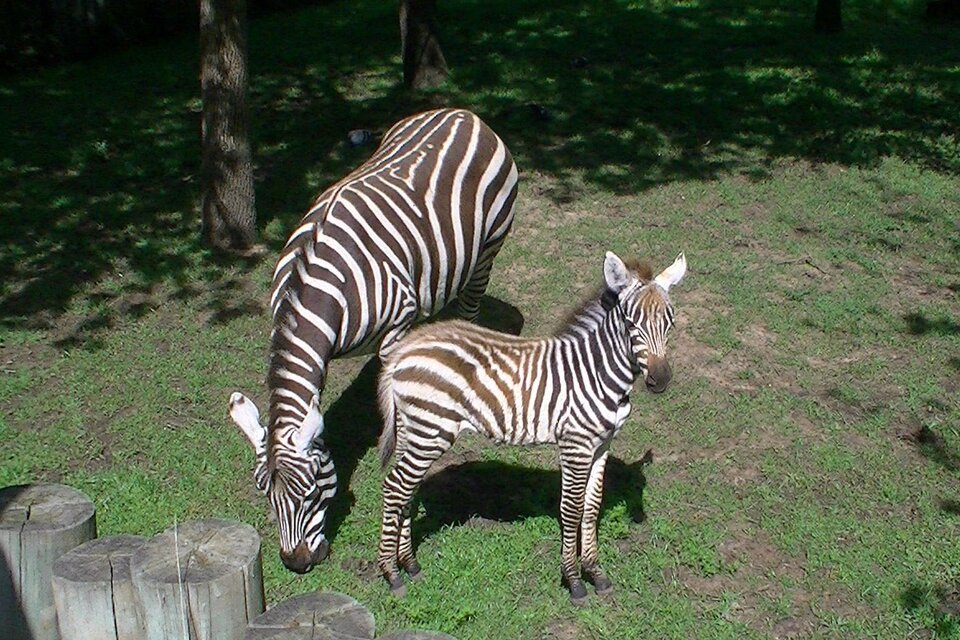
658, 374
301, 559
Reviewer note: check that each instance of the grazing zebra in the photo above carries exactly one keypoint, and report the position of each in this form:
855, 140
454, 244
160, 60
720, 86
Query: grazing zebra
413, 227
572, 389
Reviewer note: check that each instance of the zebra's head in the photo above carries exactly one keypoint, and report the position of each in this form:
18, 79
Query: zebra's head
648, 314
298, 478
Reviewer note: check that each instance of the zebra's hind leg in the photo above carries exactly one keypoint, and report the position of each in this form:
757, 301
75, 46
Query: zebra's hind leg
575, 466
589, 551
389, 532
398, 489
405, 556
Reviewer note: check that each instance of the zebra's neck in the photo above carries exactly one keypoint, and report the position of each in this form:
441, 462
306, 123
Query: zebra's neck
607, 344
299, 356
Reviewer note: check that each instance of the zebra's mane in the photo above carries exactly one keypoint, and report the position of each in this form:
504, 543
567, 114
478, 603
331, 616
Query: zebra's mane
595, 306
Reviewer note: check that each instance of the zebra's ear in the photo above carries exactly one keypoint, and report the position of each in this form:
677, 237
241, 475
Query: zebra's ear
615, 273
673, 274
312, 426
245, 413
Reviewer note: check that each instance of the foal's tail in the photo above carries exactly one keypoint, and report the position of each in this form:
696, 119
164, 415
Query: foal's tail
388, 409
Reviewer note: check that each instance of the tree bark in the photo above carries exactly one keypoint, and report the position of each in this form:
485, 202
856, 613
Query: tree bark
226, 174
423, 63
827, 18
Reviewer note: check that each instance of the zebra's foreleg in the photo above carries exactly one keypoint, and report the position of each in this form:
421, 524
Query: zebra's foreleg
574, 470
589, 551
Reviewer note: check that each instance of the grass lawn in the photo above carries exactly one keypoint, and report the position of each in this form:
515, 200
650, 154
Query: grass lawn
806, 460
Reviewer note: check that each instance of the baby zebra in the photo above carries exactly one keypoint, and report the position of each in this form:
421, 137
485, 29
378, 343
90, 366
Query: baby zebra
572, 389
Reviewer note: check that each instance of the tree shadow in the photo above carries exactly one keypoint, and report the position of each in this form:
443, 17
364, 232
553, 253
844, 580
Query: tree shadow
14, 619
940, 603
934, 447
920, 325
950, 506
479, 493
100, 177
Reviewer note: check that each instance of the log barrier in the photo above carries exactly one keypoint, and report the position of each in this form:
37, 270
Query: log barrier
199, 580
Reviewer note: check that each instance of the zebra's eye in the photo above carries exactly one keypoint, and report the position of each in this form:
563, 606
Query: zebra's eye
643, 354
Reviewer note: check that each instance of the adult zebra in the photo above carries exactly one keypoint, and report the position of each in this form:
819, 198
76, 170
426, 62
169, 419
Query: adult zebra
416, 225
572, 389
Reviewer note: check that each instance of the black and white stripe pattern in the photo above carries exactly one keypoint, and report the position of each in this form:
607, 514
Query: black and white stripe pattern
572, 390
415, 226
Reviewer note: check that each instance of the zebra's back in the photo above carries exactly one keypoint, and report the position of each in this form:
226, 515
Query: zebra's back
407, 227
503, 386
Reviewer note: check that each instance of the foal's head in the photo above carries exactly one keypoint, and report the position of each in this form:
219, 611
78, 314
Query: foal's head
644, 301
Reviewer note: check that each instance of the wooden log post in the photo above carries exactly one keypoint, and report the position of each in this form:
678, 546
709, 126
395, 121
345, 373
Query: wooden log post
201, 580
38, 524
326, 616
93, 591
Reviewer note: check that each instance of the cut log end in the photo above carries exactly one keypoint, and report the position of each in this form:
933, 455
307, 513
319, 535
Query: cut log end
314, 615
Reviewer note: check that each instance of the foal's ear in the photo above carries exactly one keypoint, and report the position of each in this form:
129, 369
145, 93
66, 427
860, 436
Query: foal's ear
245, 413
615, 273
672, 274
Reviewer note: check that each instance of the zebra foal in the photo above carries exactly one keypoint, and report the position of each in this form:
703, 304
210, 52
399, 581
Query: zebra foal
415, 226
571, 389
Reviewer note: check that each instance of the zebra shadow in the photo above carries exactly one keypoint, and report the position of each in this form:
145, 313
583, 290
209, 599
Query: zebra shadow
354, 417
481, 493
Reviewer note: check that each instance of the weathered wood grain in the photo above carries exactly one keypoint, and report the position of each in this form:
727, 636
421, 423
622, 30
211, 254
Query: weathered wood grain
94, 593
201, 580
38, 524
314, 616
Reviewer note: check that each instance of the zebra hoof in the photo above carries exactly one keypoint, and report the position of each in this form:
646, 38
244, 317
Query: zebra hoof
578, 593
601, 583
397, 588
413, 571
603, 586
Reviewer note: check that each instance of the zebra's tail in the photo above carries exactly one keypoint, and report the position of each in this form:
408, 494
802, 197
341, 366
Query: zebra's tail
388, 409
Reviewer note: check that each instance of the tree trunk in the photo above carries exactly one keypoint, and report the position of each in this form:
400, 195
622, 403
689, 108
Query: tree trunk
423, 63
226, 174
827, 18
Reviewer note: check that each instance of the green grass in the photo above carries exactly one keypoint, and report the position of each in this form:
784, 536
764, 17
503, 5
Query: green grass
807, 457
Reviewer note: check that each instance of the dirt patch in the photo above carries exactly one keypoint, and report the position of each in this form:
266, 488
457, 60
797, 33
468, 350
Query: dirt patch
566, 629
765, 585
366, 570
36, 362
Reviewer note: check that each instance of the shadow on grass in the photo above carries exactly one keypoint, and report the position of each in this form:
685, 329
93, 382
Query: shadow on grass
950, 506
354, 423
938, 608
100, 177
920, 325
479, 493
